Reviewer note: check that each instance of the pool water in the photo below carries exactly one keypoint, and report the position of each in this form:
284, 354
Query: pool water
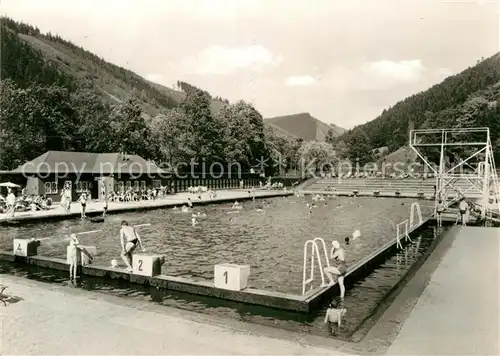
270, 241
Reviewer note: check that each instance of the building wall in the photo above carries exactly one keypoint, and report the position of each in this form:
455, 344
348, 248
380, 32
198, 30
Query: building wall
51, 186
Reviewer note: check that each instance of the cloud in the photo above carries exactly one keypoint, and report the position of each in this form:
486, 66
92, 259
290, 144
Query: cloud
300, 80
386, 74
220, 60
443, 72
156, 78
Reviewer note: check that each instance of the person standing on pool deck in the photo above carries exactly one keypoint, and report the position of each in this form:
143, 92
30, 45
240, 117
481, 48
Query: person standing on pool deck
83, 202
130, 244
462, 208
11, 202
439, 212
337, 254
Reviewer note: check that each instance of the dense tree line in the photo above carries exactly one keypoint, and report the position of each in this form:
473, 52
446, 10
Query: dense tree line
39, 118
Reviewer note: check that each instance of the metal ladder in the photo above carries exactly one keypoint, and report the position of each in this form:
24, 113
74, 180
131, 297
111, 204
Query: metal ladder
415, 208
315, 257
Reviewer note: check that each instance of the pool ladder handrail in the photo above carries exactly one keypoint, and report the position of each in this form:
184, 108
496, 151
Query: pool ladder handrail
315, 254
415, 208
404, 234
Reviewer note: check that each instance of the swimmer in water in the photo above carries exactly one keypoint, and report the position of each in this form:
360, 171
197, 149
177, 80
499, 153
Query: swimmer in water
337, 254
190, 203
174, 208
310, 209
347, 240
194, 221
129, 239
184, 209
333, 316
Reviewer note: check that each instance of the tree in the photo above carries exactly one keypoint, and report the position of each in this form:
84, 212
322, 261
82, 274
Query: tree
318, 156
244, 137
206, 130
130, 132
95, 130
331, 137
170, 131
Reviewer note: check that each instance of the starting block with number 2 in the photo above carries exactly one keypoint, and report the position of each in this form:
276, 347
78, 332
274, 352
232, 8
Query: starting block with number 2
148, 265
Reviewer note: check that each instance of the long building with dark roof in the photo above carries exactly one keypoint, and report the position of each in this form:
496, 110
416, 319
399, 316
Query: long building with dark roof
96, 173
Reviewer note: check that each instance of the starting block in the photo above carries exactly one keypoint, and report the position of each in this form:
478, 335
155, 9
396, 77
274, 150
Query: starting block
231, 276
147, 265
84, 254
25, 247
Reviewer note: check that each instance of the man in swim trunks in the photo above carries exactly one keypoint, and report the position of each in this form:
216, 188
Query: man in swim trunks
463, 207
130, 244
439, 212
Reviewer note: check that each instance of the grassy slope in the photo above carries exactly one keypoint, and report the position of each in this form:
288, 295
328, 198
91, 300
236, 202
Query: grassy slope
110, 87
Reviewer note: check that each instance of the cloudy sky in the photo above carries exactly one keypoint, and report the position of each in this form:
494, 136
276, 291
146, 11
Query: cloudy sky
343, 61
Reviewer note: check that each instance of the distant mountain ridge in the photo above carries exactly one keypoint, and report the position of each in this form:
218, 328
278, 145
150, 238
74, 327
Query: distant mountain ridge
302, 125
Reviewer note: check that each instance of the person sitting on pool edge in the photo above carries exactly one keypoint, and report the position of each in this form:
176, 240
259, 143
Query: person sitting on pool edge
337, 254
132, 240
333, 316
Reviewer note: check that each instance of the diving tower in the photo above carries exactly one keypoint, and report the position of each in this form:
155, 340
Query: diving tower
463, 163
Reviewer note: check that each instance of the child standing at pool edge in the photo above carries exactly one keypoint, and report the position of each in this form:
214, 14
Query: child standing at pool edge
73, 257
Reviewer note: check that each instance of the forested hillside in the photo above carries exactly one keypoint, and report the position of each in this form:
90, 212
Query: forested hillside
55, 95
468, 99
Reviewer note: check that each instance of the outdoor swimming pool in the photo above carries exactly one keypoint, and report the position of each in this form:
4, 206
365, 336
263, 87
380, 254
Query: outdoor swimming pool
361, 299
270, 241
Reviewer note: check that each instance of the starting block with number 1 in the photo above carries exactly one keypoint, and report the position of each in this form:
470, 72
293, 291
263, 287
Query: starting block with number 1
231, 276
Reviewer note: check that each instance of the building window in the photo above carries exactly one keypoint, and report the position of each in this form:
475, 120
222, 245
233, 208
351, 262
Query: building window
156, 183
82, 186
121, 186
129, 185
143, 185
136, 185
50, 188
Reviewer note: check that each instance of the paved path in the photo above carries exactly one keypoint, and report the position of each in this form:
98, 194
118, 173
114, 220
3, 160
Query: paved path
59, 320
175, 199
458, 312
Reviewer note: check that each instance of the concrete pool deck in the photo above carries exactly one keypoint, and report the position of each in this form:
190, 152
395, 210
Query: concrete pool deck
96, 207
458, 313
79, 322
